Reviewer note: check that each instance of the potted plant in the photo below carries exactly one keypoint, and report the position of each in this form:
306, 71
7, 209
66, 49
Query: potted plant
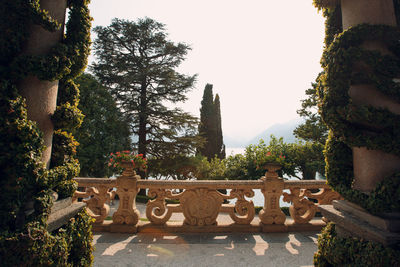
270, 161
126, 159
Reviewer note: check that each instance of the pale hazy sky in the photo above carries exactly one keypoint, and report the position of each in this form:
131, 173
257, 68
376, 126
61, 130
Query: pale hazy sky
260, 55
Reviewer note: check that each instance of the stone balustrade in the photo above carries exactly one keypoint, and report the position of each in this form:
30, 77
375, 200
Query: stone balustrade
201, 201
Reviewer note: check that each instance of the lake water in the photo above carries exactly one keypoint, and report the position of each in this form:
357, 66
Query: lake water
258, 198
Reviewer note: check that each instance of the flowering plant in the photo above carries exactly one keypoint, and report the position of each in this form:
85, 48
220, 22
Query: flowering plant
262, 159
137, 160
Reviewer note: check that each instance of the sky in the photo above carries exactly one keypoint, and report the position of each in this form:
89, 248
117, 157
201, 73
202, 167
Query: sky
260, 55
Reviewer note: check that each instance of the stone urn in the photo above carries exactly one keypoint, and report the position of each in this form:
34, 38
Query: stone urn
272, 169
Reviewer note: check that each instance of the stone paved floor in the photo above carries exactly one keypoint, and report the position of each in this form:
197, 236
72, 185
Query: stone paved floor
267, 249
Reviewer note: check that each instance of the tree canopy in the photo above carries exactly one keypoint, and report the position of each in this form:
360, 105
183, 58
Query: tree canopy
137, 64
313, 129
104, 129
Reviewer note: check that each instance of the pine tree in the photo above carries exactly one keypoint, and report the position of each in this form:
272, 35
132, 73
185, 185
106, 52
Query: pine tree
137, 63
104, 129
313, 129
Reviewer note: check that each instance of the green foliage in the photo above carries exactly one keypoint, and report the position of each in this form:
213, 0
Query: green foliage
67, 117
277, 149
308, 158
137, 64
236, 167
210, 125
183, 167
384, 198
313, 129
68, 246
214, 169
304, 157
24, 180
104, 130
176, 167
351, 251
219, 136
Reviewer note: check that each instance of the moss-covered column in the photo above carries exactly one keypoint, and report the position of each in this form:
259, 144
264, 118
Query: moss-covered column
41, 96
371, 166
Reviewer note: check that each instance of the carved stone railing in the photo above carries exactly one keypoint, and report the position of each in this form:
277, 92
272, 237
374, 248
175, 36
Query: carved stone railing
200, 202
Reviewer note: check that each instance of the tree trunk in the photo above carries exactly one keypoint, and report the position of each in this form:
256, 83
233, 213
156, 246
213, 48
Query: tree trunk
308, 174
142, 121
142, 130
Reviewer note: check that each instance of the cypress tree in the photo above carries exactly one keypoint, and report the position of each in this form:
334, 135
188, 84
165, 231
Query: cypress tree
219, 141
210, 125
207, 127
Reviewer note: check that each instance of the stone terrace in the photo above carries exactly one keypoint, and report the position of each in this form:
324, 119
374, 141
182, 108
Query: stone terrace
234, 249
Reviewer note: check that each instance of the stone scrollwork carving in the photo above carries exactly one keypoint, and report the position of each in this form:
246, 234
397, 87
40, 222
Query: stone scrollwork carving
157, 211
201, 206
245, 209
98, 197
325, 196
302, 210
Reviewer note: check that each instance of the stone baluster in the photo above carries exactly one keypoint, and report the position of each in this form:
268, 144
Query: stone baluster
272, 190
126, 217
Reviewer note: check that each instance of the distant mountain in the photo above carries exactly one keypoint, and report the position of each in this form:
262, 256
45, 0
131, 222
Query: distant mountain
233, 142
284, 130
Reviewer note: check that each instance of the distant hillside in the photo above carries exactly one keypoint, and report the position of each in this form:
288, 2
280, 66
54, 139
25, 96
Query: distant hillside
284, 130
233, 142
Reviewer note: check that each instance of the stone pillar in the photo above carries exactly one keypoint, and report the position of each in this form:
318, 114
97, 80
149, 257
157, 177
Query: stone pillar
273, 188
371, 166
127, 216
41, 96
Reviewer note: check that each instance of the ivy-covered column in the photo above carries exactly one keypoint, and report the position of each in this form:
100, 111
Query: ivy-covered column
38, 63
41, 95
359, 94
371, 165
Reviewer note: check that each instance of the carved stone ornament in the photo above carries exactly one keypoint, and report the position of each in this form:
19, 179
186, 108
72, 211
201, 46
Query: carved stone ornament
272, 190
157, 211
201, 206
98, 197
243, 212
302, 209
127, 191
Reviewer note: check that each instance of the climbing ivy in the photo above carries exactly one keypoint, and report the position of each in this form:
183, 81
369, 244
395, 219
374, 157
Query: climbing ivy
27, 186
351, 251
347, 122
